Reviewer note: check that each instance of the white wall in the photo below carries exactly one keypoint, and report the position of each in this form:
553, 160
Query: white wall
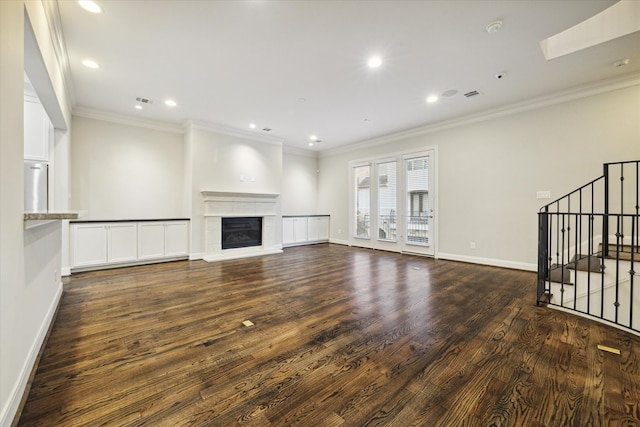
224, 162
126, 172
489, 172
299, 183
30, 285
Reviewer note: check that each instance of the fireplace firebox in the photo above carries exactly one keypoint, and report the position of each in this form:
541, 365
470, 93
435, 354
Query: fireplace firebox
241, 232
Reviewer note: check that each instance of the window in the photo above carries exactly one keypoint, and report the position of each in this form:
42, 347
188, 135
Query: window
387, 199
418, 203
362, 181
418, 210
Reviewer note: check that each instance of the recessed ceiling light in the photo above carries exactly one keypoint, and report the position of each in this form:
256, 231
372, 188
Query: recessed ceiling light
90, 64
311, 144
170, 103
431, 99
374, 62
138, 107
450, 92
90, 6
252, 125
313, 137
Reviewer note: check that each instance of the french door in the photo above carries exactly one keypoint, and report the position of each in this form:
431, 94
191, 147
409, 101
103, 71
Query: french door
393, 203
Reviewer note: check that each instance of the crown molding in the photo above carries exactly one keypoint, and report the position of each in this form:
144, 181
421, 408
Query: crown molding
52, 14
122, 119
229, 131
287, 149
579, 92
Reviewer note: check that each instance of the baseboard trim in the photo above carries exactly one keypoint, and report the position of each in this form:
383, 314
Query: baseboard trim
18, 396
340, 242
489, 261
196, 256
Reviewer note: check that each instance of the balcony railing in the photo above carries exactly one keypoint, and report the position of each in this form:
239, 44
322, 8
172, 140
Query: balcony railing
417, 228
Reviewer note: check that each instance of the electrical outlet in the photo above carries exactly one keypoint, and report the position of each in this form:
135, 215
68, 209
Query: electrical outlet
339, 230
543, 194
472, 245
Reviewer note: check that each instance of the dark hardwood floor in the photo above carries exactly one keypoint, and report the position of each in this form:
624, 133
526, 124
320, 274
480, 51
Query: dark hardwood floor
342, 337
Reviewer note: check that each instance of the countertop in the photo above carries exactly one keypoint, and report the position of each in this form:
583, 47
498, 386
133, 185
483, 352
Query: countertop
49, 216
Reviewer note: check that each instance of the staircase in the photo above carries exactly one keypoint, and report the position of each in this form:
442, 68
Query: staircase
589, 248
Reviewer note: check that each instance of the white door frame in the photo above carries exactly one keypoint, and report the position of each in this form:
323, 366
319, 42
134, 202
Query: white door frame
399, 245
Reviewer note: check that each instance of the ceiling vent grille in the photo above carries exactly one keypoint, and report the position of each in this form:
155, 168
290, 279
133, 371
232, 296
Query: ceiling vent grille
266, 129
472, 93
144, 100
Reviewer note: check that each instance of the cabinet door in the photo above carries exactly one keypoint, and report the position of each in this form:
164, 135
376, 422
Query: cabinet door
37, 128
313, 232
150, 240
176, 235
323, 227
89, 244
299, 230
318, 228
123, 242
287, 231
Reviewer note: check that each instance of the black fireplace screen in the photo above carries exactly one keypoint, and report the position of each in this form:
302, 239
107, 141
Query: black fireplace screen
241, 232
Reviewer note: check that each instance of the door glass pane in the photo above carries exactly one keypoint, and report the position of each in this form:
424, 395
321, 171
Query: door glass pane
362, 200
387, 209
418, 209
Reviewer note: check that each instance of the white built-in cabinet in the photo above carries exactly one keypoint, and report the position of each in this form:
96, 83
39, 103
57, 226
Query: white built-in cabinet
162, 239
38, 131
106, 244
302, 230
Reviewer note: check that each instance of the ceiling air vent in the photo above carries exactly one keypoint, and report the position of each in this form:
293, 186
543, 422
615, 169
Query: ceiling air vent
472, 93
144, 100
266, 129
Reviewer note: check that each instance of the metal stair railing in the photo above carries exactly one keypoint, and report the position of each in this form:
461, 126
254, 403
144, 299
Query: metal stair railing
594, 228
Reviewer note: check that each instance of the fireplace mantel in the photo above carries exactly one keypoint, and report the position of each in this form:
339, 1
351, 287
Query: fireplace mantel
226, 195
219, 204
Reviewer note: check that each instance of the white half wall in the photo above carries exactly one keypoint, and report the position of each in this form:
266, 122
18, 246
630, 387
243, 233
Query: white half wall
489, 171
30, 260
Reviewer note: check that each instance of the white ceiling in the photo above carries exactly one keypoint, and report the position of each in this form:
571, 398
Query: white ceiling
299, 67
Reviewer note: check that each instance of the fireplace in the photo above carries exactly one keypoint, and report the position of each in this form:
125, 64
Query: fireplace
241, 232
252, 220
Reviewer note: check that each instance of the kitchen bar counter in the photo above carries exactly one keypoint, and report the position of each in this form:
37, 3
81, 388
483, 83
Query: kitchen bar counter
35, 219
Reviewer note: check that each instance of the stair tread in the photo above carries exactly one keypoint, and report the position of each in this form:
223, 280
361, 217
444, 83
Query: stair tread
585, 263
624, 253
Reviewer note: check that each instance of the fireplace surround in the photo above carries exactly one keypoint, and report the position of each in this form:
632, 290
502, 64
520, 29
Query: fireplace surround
230, 206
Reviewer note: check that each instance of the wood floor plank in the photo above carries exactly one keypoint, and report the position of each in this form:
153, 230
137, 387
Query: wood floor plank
342, 337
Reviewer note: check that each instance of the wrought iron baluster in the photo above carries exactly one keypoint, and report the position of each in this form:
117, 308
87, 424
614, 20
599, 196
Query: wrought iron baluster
605, 224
